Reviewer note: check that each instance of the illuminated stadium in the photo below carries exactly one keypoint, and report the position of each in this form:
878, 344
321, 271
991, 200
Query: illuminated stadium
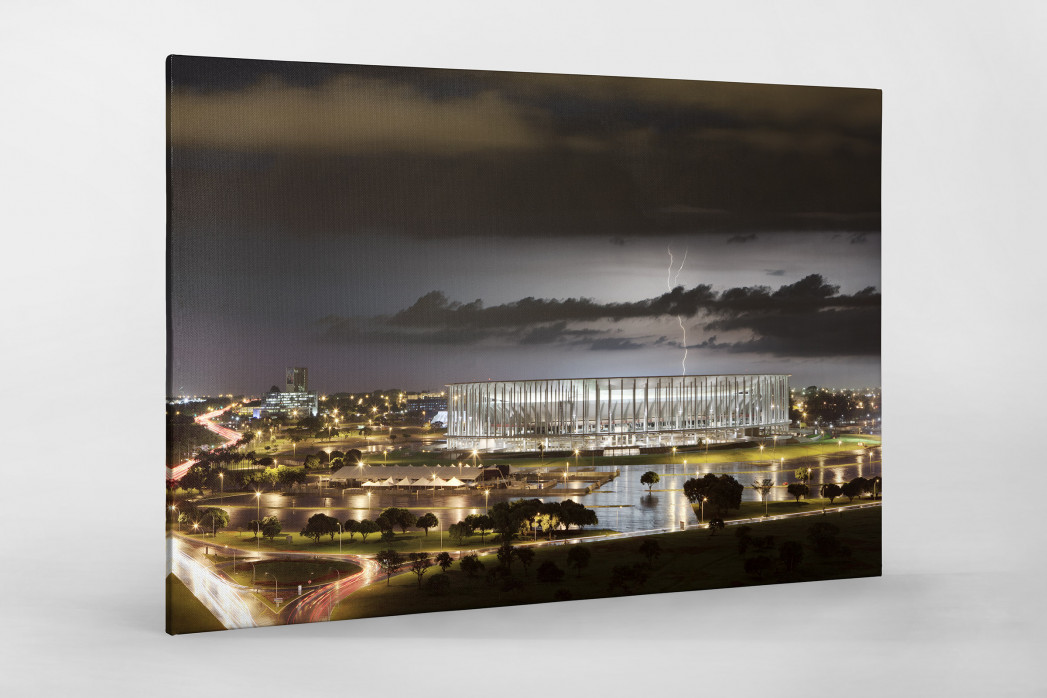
614, 413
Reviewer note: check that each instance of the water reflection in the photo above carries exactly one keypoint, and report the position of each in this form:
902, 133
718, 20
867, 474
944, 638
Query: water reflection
623, 504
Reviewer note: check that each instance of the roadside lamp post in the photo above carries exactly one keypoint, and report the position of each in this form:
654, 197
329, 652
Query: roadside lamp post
701, 510
761, 450
276, 597
576, 458
340, 532
221, 481
474, 457
487, 494
177, 519
385, 456
673, 459
258, 519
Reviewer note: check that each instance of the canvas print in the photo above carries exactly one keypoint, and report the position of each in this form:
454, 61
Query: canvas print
452, 339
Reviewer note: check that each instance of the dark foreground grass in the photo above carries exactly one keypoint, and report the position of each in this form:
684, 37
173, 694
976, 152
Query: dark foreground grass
410, 542
689, 560
185, 614
289, 572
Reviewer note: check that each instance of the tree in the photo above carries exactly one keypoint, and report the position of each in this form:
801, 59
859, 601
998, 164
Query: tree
526, 557
549, 572
457, 532
318, 526
384, 523
803, 475
399, 517
578, 557
352, 526
851, 490
626, 578
438, 584
573, 513
650, 478
506, 520
389, 561
722, 493
764, 488
212, 519
715, 525
798, 489
471, 565
420, 564
506, 555
312, 461
650, 550
831, 491
479, 522
366, 528
388, 535
445, 561
427, 521
270, 527
791, 554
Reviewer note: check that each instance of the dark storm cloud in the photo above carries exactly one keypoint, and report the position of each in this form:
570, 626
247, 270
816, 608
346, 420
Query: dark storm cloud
614, 344
774, 272
807, 318
342, 150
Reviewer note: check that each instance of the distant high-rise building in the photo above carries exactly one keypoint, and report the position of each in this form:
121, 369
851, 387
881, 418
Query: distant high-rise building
297, 380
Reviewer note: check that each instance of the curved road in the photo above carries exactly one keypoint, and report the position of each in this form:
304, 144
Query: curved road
236, 606
178, 472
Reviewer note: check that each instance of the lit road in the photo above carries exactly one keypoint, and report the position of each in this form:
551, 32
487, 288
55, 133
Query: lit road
221, 597
316, 604
176, 473
236, 605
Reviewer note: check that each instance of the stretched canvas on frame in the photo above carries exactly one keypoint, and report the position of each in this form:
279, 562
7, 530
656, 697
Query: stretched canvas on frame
449, 339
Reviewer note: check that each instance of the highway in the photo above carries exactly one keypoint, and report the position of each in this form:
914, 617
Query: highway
178, 472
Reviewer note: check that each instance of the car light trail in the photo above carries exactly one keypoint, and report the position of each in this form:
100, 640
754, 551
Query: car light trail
217, 595
205, 420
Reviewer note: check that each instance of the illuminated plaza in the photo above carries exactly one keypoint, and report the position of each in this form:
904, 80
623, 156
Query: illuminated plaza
615, 413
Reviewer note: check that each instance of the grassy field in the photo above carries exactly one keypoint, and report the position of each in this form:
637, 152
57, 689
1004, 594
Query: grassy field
689, 560
289, 572
185, 614
825, 446
751, 510
410, 542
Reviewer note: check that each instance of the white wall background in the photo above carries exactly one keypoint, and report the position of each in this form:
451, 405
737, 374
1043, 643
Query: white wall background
82, 182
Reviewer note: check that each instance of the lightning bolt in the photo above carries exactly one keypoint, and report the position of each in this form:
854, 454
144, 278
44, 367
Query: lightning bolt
670, 283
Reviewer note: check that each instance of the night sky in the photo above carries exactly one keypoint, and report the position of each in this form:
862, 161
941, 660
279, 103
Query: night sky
402, 227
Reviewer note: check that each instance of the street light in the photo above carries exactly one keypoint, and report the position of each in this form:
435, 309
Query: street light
576, 458
701, 509
258, 519
276, 597
221, 480
487, 494
340, 532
